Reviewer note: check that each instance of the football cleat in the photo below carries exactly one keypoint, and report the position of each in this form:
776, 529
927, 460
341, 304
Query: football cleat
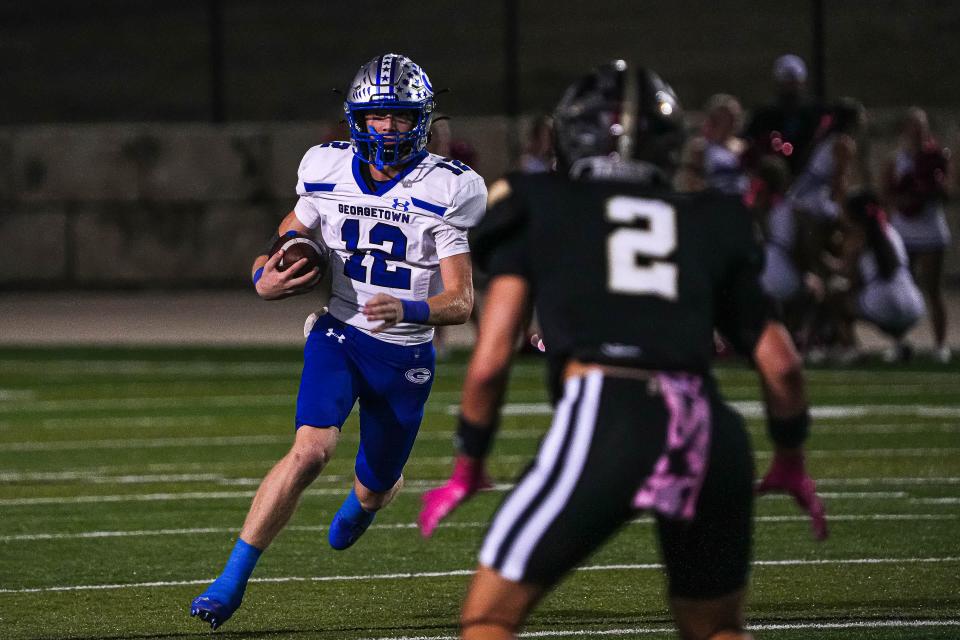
349, 523
210, 610
788, 475
467, 478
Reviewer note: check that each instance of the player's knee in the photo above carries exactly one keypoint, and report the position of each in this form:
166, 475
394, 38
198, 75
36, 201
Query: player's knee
308, 462
313, 448
307, 465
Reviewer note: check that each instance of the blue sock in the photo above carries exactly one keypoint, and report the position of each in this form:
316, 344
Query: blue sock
229, 587
349, 523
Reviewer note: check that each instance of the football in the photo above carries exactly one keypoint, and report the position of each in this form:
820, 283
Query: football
295, 247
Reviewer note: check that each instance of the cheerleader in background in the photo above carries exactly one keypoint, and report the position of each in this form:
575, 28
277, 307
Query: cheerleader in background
872, 280
915, 191
712, 160
820, 189
816, 198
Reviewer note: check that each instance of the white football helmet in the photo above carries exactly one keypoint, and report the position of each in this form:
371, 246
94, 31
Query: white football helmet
386, 83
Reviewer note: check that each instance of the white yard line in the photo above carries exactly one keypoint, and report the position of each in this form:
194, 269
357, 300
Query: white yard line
202, 441
83, 535
856, 482
75, 368
114, 475
178, 369
755, 409
133, 422
894, 623
823, 427
465, 572
6, 395
412, 487
750, 409
933, 452
815, 376
145, 443
160, 403
941, 501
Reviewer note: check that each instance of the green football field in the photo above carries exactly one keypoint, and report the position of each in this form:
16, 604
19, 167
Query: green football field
125, 475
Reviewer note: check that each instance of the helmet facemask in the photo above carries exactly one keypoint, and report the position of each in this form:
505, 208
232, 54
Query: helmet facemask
389, 84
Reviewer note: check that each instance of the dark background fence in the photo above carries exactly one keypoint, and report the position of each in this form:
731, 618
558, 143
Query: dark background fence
236, 60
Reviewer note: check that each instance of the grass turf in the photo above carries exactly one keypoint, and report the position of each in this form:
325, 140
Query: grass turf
135, 468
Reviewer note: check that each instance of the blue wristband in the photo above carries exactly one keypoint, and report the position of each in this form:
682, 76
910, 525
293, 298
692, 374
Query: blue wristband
256, 275
415, 311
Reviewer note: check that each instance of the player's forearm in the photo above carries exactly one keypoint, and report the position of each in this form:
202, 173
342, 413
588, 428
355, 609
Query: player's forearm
781, 372
258, 263
784, 389
486, 383
451, 307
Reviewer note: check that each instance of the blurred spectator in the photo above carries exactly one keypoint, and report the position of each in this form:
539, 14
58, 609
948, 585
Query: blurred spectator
712, 160
444, 144
820, 188
915, 190
871, 280
816, 197
785, 128
538, 155
781, 278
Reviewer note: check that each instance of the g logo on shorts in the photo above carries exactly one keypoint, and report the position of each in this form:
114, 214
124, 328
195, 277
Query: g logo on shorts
418, 376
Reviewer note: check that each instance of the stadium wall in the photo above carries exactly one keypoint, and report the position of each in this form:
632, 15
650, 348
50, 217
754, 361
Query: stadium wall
189, 205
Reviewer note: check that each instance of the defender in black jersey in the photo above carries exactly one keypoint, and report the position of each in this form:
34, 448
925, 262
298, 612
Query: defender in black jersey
629, 280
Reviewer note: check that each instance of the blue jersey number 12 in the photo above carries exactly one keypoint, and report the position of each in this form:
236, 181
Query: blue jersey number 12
383, 272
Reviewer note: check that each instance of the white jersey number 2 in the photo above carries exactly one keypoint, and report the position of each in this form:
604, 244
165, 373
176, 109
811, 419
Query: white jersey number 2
627, 247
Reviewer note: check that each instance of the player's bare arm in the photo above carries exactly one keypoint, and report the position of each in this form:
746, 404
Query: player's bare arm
274, 284
452, 306
489, 365
781, 371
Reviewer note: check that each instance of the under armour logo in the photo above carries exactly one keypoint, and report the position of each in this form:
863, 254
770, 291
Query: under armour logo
332, 334
401, 204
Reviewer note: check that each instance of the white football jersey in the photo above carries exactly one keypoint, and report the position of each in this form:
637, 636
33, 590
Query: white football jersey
390, 239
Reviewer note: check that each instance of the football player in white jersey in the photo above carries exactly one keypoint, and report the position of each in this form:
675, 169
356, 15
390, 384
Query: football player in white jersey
395, 220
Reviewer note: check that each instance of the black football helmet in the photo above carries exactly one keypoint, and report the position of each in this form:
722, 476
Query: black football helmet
621, 111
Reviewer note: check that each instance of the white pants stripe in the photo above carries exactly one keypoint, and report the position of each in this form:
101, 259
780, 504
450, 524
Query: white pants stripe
550, 505
534, 481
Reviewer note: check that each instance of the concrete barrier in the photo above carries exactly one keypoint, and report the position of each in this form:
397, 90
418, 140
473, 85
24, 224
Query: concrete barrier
189, 205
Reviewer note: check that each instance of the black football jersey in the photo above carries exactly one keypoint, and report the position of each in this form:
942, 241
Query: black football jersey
626, 273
